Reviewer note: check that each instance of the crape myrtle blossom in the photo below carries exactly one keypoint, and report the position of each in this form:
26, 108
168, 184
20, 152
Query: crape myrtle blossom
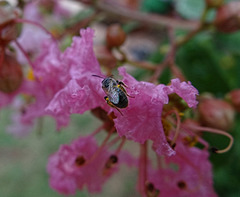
68, 171
43, 86
142, 118
187, 173
39, 87
83, 91
81, 164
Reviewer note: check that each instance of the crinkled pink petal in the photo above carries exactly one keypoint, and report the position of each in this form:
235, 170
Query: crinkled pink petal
185, 91
71, 99
83, 92
80, 56
141, 120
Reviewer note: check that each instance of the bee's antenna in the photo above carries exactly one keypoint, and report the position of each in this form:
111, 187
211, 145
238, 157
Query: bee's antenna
98, 76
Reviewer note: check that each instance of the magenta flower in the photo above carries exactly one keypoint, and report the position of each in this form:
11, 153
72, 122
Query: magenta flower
83, 91
79, 164
142, 118
188, 173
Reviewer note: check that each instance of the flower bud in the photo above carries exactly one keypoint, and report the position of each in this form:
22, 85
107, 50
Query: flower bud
216, 113
8, 29
214, 3
228, 17
8, 33
115, 36
105, 57
11, 75
235, 99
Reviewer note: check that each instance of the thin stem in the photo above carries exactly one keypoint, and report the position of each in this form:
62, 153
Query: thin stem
138, 64
169, 59
101, 147
114, 141
79, 25
177, 128
193, 133
189, 36
120, 146
142, 64
143, 168
200, 27
98, 130
24, 53
217, 131
19, 20
40, 122
160, 68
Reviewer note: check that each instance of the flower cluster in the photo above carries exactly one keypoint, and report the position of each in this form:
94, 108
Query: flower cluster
61, 83
140, 121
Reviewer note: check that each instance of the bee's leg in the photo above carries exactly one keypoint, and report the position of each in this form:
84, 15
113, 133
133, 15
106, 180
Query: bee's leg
120, 83
111, 105
122, 88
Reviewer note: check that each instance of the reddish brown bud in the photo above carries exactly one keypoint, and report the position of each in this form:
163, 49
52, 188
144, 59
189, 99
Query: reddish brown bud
235, 99
115, 36
105, 57
216, 113
8, 33
11, 75
8, 29
228, 17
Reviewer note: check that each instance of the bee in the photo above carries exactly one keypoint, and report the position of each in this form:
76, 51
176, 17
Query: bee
115, 91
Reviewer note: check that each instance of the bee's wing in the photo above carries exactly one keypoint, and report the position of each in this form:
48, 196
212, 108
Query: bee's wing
113, 96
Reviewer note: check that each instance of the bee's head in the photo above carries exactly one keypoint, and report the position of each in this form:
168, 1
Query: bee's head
108, 82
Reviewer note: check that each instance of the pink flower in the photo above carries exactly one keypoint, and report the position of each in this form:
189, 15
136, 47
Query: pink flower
83, 91
49, 76
74, 166
142, 118
188, 174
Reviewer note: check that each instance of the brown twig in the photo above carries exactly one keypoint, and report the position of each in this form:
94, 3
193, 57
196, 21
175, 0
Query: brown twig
145, 18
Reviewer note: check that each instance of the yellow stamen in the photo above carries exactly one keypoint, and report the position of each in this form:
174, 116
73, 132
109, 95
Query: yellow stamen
30, 75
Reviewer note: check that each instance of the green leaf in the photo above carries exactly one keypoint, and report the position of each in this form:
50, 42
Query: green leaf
193, 9
157, 6
199, 60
